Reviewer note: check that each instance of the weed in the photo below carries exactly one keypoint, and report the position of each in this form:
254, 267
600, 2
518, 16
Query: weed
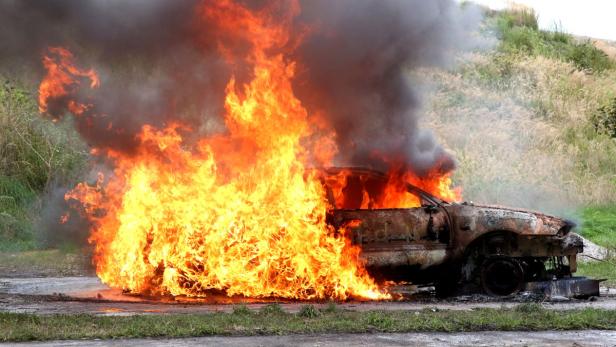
379, 319
529, 307
330, 308
604, 119
308, 311
272, 309
241, 310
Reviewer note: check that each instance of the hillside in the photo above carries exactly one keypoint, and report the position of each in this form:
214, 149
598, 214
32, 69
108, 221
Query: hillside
531, 120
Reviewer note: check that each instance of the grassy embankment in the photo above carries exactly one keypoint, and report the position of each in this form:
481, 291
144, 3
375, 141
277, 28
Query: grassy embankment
273, 320
600, 227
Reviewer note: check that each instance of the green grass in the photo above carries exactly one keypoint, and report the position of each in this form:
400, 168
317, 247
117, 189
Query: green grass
599, 225
599, 270
27, 327
520, 34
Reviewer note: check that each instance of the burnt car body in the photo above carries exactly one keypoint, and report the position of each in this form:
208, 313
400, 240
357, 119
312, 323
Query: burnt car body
492, 249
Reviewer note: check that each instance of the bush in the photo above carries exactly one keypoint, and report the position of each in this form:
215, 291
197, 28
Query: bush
15, 229
604, 119
308, 311
588, 57
518, 17
34, 153
241, 310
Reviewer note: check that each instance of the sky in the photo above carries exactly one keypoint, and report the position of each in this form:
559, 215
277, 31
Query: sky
592, 18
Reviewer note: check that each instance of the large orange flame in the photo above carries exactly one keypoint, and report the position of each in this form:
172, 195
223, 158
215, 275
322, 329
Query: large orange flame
237, 212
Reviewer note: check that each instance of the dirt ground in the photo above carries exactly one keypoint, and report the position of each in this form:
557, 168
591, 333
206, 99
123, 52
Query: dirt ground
485, 338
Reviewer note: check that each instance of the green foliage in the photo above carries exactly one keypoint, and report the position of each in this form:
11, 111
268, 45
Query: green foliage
271, 309
519, 33
529, 307
241, 310
604, 119
379, 320
599, 270
512, 18
46, 263
495, 74
588, 57
15, 199
33, 154
308, 311
599, 225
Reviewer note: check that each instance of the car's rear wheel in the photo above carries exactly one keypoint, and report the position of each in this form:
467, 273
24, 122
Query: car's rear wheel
501, 276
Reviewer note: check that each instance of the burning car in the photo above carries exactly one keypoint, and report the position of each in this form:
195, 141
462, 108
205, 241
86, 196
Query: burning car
494, 249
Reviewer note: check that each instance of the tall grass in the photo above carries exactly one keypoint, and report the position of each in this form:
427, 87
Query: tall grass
33, 154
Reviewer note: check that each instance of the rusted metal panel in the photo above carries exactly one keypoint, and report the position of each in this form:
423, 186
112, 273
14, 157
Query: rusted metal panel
420, 256
539, 234
395, 237
483, 218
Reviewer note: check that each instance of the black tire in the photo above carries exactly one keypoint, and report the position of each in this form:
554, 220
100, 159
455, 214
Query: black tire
502, 276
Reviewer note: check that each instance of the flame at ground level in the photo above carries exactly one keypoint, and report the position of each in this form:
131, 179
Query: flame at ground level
176, 226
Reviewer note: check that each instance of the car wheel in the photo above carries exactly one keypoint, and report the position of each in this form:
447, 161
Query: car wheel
501, 276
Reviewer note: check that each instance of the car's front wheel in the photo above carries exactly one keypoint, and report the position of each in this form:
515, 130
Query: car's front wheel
501, 276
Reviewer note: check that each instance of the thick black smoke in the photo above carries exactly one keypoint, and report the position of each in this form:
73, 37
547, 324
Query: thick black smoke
355, 69
158, 63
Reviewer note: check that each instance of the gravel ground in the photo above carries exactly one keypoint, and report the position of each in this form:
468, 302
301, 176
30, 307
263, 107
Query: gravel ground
485, 338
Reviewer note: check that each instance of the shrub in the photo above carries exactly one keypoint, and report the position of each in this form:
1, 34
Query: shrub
241, 310
33, 154
518, 17
604, 119
588, 57
308, 311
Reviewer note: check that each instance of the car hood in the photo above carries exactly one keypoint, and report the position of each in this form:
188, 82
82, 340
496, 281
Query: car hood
522, 221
